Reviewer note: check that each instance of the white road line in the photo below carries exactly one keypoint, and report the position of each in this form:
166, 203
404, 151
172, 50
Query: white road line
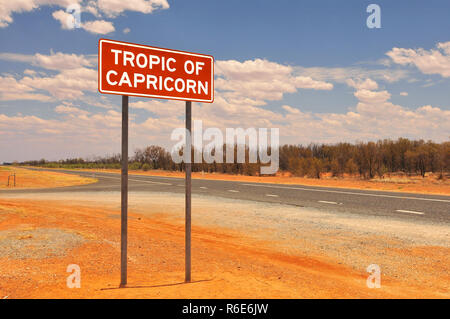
203, 187
137, 180
157, 177
180, 185
108, 177
327, 202
351, 193
309, 189
233, 191
101, 174
272, 195
109, 186
150, 182
409, 212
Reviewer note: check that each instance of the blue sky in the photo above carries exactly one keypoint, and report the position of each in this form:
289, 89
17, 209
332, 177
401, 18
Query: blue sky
320, 74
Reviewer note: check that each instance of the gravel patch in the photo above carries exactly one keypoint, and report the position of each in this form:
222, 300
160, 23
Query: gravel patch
37, 243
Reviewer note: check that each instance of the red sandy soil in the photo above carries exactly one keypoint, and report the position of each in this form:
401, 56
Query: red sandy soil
226, 263
395, 182
33, 179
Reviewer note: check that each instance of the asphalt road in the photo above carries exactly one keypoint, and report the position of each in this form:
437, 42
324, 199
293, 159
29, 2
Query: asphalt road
432, 208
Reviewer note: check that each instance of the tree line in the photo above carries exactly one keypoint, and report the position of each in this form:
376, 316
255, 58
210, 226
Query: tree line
366, 159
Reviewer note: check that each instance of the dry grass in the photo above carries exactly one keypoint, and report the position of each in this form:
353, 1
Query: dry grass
26, 178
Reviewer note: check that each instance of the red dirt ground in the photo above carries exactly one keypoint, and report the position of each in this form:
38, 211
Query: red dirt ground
226, 264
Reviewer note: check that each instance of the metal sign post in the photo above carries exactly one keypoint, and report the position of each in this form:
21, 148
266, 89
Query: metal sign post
124, 194
188, 167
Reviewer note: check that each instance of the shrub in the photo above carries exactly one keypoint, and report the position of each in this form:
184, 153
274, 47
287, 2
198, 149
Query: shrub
135, 166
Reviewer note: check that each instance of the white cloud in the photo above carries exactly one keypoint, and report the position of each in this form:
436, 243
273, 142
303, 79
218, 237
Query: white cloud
306, 82
92, 8
54, 61
434, 61
250, 70
29, 72
126, 30
11, 89
80, 133
74, 134
60, 61
367, 84
243, 88
372, 97
22, 96
257, 81
445, 46
367, 122
404, 93
74, 77
290, 109
374, 117
98, 26
69, 84
110, 8
114, 7
16, 57
67, 108
101, 102
169, 108
66, 19
9, 83
341, 75
8, 7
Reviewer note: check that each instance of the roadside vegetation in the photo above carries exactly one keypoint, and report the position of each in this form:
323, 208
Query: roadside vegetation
367, 160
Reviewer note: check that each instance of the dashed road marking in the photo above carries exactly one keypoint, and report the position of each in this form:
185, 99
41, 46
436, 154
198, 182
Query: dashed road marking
272, 195
327, 202
203, 187
233, 191
149, 182
350, 193
409, 212
138, 180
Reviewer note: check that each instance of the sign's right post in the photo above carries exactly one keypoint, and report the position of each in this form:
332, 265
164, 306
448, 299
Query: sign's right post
188, 168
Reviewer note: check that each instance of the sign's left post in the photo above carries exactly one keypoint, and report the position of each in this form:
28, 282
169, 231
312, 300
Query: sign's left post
124, 194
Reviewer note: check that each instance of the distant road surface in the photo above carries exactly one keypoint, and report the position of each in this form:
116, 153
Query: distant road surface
432, 208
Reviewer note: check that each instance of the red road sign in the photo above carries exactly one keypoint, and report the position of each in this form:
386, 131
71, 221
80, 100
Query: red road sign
140, 70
